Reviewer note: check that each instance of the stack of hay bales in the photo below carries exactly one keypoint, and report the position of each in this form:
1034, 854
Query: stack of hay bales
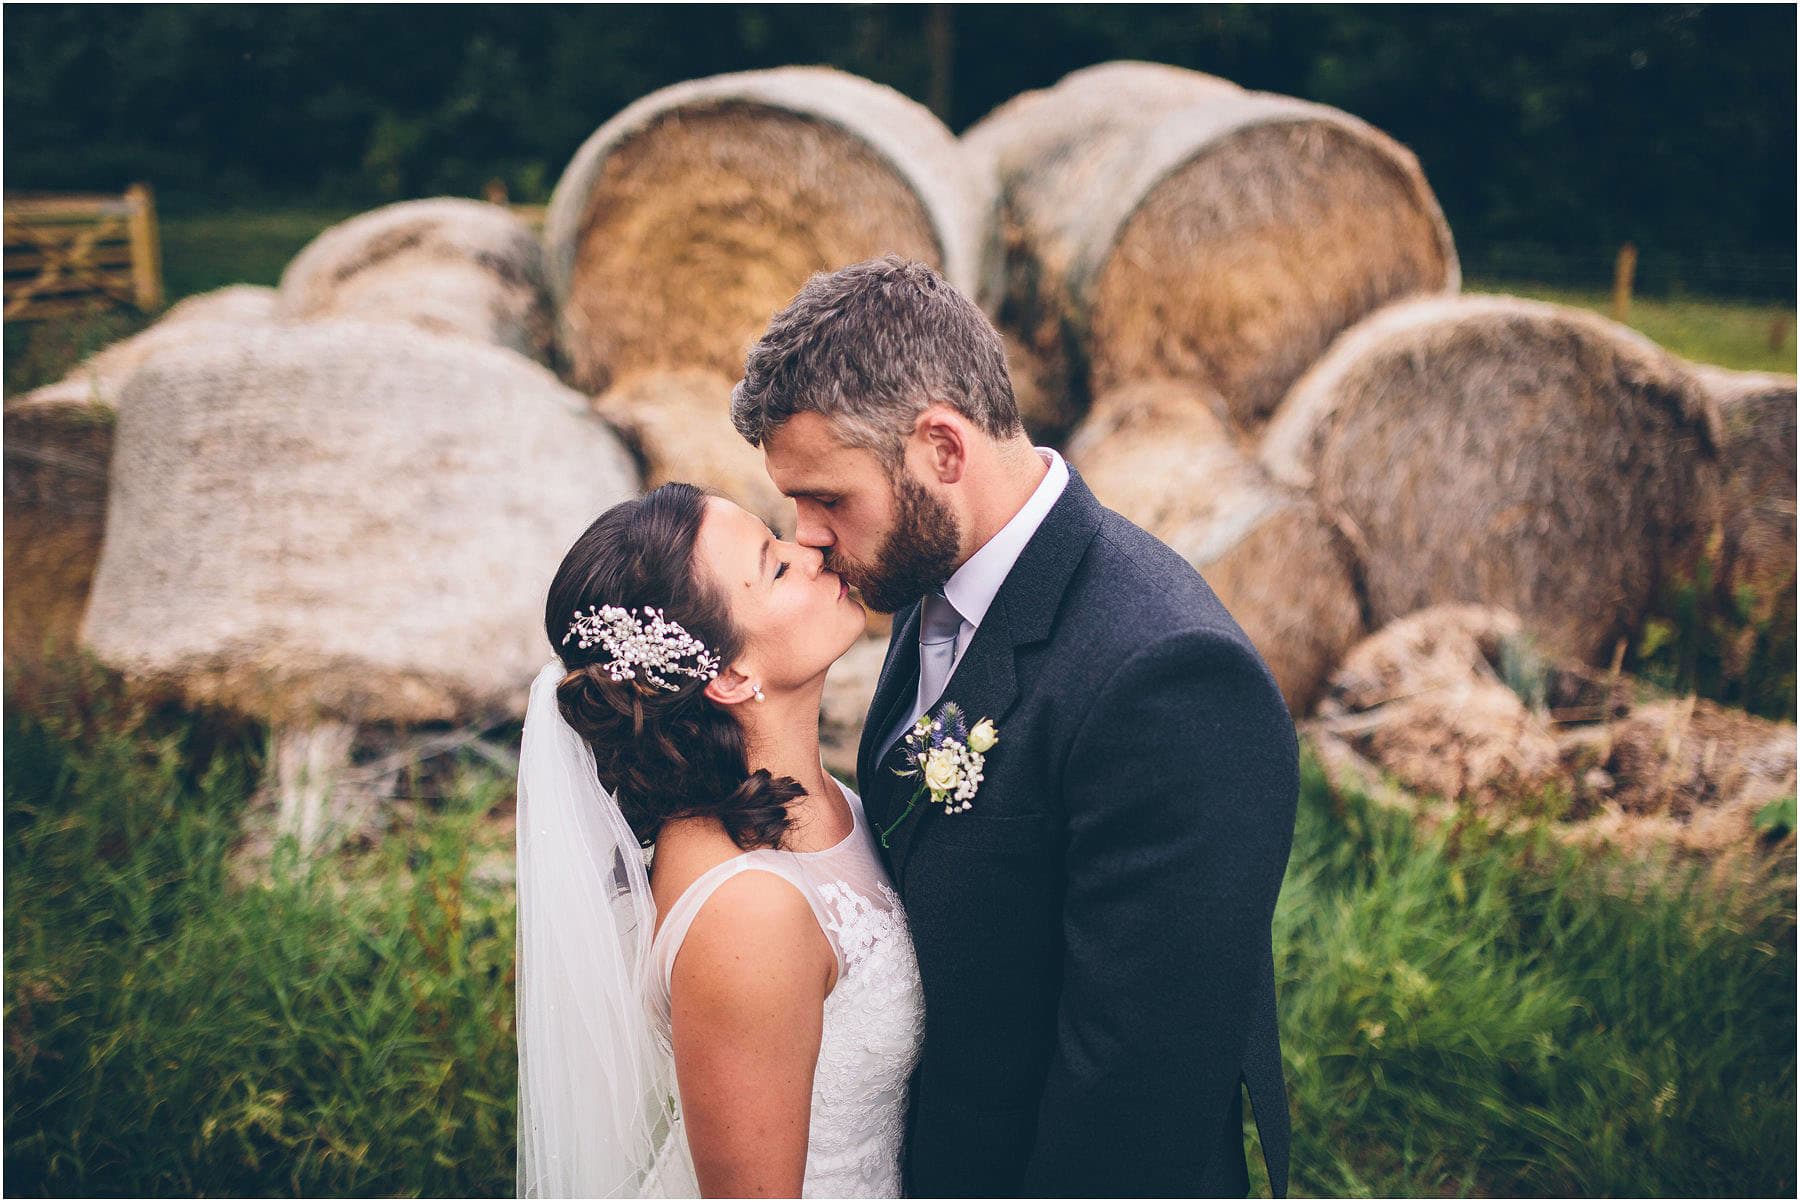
1163, 223
58, 444
1160, 453
338, 522
1455, 706
1505, 452
447, 265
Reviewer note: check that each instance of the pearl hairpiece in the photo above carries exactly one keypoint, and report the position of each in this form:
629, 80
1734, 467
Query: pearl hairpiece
650, 644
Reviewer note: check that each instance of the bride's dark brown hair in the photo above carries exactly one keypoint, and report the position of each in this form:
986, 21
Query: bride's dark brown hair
663, 753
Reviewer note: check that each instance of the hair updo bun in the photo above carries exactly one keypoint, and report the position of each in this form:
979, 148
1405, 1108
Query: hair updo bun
663, 753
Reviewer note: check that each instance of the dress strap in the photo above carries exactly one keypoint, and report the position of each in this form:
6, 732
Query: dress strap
693, 899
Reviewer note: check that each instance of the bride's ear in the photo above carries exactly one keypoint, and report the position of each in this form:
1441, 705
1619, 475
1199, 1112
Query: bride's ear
730, 687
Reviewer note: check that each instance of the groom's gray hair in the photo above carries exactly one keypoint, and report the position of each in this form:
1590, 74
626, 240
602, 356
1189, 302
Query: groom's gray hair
870, 346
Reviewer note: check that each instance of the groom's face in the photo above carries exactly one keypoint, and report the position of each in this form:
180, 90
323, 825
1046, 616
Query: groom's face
890, 539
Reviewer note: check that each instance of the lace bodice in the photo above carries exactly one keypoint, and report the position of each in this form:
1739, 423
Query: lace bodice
874, 1017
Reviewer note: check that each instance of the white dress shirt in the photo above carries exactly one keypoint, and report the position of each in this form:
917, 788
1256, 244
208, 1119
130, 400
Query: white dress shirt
975, 585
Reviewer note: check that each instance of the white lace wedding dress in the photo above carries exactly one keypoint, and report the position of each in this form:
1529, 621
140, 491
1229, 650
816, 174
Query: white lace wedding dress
873, 1023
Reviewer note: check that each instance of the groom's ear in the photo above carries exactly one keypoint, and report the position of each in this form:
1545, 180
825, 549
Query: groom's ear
730, 687
943, 435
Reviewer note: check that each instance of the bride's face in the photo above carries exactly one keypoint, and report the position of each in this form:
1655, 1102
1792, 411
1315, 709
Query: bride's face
796, 617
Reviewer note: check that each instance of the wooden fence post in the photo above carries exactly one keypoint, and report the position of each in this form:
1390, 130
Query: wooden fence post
1624, 271
146, 252
940, 51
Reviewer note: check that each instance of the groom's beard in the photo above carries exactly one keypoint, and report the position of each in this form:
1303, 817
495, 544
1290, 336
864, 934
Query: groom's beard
916, 558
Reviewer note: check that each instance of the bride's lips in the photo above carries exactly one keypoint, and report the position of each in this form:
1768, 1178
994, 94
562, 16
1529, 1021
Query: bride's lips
843, 589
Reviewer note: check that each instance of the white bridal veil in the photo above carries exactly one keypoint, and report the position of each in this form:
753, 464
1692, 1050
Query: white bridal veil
595, 1086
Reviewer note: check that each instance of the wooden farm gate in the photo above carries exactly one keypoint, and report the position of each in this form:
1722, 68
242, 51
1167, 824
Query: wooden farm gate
66, 253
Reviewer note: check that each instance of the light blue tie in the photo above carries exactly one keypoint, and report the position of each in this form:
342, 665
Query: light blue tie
939, 625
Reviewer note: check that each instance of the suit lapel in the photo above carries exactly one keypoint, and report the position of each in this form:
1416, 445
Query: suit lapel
896, 686
985, 683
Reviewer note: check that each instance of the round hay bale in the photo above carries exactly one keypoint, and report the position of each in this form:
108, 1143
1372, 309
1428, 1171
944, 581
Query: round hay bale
56, 460
1160, 222
1492, 450
58, 442
849, 688
1681, 773
1158, 453
246, 303
98, 379
1456, 703
691, 216
302, 529
679, 424
1756, 492
447, 265
1420, 699
1443, 647
1475, 742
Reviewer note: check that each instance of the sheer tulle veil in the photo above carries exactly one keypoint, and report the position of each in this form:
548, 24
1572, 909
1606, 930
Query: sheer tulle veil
595, 1085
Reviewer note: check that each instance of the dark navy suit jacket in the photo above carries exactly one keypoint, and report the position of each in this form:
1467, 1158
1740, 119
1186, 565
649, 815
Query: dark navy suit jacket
1093, 934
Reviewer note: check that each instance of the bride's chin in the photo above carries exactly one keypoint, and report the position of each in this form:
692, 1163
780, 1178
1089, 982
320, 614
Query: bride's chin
853, 630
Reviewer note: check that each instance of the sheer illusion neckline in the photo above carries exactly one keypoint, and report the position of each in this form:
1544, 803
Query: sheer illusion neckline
851, 800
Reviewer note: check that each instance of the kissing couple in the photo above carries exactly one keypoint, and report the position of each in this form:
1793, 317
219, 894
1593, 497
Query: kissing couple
1028, 954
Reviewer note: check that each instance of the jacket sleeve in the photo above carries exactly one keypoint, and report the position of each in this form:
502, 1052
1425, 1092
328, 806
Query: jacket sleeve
1179, 795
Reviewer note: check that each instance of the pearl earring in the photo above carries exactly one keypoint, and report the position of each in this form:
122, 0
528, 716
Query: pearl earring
759, 692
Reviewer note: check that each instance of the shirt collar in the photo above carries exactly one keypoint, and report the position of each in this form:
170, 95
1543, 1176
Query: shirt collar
975, 585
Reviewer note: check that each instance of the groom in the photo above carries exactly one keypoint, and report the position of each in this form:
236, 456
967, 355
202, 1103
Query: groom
1093, 931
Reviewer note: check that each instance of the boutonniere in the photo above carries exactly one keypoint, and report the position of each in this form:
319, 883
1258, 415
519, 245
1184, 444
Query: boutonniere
947, 756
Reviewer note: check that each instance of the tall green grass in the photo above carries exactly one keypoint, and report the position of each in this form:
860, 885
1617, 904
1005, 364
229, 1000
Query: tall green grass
1461, 1013
1465, 1014
344, 1028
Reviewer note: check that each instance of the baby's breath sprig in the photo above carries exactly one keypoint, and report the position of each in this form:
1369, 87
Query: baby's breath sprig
651, 644
948, 758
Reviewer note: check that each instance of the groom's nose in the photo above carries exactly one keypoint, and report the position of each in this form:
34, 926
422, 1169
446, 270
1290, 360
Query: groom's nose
809, 530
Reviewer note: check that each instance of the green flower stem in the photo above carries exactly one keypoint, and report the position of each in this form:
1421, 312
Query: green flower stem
904, 814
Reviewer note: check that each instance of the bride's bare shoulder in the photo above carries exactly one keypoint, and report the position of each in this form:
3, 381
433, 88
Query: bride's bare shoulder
759, 924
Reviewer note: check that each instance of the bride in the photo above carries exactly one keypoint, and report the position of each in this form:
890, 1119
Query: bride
741, 1018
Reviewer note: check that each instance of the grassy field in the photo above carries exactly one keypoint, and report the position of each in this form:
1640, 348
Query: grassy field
1462, 1014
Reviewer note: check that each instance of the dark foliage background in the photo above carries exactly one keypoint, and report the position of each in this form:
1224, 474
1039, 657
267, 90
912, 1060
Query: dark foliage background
1551, 133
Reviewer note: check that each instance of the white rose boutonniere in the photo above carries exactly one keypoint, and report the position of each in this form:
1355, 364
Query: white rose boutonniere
947, 757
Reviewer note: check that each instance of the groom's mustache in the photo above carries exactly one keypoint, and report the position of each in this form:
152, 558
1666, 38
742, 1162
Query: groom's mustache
851, 571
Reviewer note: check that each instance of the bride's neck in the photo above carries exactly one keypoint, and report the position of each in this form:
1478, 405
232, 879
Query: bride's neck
782, 735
